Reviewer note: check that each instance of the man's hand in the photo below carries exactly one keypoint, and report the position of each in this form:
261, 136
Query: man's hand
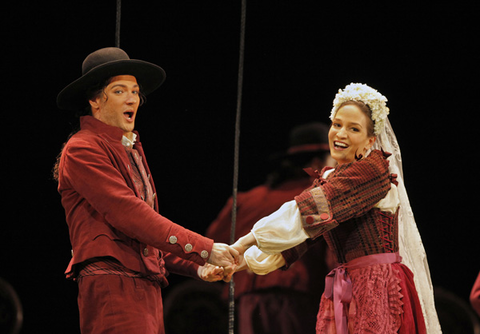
210, 273
223, 255
230, 270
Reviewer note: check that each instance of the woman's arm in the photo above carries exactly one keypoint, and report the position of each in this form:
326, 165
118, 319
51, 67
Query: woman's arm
350, 191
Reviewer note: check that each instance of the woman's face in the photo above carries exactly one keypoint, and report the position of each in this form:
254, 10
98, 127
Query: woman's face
348, 136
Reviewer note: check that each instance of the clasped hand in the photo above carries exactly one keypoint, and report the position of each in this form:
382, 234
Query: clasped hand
225, 260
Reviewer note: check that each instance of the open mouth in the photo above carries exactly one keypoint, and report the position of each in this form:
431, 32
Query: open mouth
339, 145
129, 115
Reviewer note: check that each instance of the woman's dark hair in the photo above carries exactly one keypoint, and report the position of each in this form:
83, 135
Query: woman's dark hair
366, 110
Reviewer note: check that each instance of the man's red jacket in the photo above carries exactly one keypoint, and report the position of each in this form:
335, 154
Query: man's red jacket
105, 215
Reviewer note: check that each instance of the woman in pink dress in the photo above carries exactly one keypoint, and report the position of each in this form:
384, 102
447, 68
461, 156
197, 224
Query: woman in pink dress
362, 210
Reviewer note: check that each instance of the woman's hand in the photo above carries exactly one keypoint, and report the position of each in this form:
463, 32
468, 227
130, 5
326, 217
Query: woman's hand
244, 243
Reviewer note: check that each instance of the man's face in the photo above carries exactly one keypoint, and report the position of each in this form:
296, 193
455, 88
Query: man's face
117, 105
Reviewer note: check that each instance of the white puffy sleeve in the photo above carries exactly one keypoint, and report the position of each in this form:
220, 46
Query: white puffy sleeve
262, 263
275, 233
281, 230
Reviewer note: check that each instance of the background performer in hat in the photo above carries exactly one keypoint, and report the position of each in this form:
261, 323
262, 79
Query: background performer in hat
122, 248
283, 301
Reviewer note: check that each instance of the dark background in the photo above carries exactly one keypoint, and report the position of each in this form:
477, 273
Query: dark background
297, 55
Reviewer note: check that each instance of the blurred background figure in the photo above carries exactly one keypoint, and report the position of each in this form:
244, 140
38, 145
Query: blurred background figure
281, 301
456, 316
11, 311
475, 295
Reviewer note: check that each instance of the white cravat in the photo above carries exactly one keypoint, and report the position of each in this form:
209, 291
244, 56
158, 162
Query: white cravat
127, 142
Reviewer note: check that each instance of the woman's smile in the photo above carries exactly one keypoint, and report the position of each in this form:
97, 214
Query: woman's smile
348, 135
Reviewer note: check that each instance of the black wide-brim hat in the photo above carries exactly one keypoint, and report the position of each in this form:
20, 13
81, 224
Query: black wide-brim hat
106, 63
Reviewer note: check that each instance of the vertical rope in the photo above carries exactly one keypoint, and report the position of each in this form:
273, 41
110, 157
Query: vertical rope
117, 23
231, 295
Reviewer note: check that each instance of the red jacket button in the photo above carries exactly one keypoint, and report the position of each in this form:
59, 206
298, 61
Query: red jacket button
310, 220
324, 216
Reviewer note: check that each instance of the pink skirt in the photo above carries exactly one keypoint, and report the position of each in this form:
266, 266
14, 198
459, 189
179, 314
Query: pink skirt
383, 300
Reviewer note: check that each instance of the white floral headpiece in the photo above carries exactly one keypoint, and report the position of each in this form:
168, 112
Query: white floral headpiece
372, 98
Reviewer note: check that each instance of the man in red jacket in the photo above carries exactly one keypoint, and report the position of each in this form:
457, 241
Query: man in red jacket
122, 248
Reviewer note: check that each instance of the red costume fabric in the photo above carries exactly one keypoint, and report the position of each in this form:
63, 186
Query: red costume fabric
111, 304
281, 301
475, 295
341, 208
108, 218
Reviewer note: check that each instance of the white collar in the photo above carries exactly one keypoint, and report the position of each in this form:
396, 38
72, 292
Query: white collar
127, 142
